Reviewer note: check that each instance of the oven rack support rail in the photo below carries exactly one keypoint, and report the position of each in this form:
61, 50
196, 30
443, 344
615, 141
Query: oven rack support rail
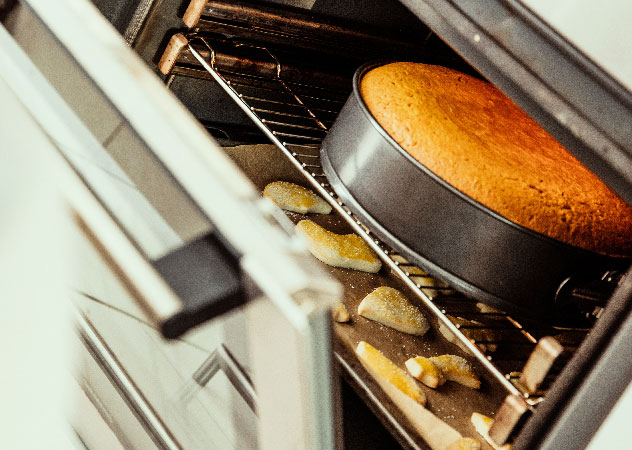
298, 133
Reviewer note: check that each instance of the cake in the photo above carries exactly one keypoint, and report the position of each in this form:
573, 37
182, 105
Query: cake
475, 138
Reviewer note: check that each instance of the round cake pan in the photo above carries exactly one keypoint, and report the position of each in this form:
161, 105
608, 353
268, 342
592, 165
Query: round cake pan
432, 224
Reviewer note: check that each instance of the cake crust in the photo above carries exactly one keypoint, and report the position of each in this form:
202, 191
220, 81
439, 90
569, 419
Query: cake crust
475, 138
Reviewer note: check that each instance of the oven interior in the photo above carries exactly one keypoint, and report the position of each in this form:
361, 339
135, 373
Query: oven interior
267, 81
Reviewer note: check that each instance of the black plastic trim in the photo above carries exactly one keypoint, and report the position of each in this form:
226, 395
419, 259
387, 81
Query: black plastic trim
206, 276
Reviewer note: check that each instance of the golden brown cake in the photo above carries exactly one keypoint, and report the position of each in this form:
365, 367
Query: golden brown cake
475, 138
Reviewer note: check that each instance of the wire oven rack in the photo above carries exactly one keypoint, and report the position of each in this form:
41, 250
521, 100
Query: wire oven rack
295, 116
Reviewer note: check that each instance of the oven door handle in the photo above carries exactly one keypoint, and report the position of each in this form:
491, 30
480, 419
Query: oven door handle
206, 276
186, 287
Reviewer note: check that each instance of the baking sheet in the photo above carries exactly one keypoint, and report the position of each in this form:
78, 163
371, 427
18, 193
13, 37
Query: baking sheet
451, 402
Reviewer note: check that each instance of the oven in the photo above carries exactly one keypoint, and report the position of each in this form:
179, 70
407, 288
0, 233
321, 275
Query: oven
204, 321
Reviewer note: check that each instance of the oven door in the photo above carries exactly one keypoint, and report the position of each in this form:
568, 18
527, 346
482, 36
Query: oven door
194, 300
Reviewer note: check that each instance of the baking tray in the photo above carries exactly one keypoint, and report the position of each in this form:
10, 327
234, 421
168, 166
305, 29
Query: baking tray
452, 402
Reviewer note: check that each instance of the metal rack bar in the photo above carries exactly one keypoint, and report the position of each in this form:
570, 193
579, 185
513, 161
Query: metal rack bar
222, 359
130, 393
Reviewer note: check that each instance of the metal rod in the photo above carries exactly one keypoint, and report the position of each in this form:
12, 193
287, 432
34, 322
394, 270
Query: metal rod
170, 79
231, 75
259, 88
301, 145
132, 396
296, 136
240, 76
238, 377
322, 99
291, 125
293, 105
222, 359
207, 370
279, 102
279, 113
